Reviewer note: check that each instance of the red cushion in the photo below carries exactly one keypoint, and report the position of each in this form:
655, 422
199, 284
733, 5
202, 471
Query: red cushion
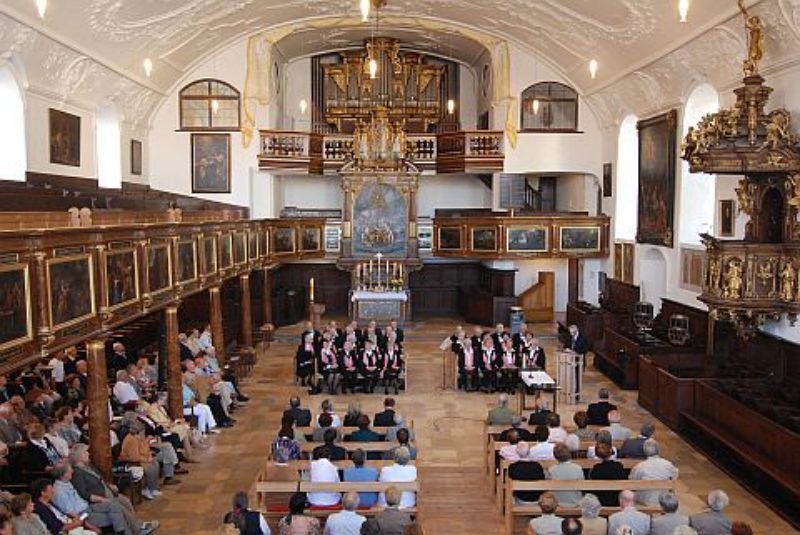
337, 507
277, 509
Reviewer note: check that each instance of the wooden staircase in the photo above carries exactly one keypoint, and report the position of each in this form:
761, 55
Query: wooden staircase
537, 301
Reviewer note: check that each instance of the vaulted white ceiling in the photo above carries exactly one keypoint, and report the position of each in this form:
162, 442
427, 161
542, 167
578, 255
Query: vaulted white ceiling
622, 35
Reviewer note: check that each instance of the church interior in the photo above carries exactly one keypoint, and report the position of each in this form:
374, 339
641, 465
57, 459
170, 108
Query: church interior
521, 267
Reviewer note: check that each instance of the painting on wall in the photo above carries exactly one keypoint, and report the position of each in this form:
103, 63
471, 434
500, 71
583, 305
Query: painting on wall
122, 277
657, 157
136, 157
607, 179
310, 240
727, 218
65, 138
333, 238
283, 240
159, 268
211, 163
239, 248
623, 261
187, 261
70, 282
226, 250
580, 239
209, 255
425, 238
450, 238
484, 239
526, 239
379, 221
15, 305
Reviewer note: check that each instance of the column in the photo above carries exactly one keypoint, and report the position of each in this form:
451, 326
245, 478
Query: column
247, 317
173, 363
215, 318
573, 280
266, 298
97, 397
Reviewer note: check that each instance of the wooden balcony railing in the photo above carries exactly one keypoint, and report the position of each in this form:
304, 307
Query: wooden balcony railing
478, 150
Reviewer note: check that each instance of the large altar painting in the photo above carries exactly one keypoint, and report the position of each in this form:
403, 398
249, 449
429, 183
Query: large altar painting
657, 156
379, 221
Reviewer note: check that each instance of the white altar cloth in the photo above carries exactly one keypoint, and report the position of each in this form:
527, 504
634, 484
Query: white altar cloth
364, 295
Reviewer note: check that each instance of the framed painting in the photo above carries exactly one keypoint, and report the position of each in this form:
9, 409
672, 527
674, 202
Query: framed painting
70, 284
239, 248
527, 239
484, 239
657, 160
450, 238
136, 157
607, 179
65, 138
727, 218
122, 277
211, 163
333, 238
209, 255
252, 245
226, 251
159, 268
283, 240
16, 326
425, 238
187, 261
579, 239
310, 240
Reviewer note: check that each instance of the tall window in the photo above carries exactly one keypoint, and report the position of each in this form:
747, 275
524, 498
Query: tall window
109, 149
550, 107
627, 187
13, 163
697, 189
209, 105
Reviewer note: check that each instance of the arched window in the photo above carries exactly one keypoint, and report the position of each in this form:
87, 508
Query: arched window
14, 162
209, 105
109, 149
698, 190
549, 107
627, 187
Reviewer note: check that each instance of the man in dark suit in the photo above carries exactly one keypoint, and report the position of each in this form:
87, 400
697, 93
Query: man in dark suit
364, 433
386, 417
577, 342
516, 425
519, 337
302, 417
497, 338
337, 453
398, 331
597, 413
525, 471
633, 448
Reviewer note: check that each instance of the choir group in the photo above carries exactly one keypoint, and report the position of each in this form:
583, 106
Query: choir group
351, 358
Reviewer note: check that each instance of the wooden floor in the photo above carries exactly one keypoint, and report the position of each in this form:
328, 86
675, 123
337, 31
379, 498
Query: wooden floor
449, 428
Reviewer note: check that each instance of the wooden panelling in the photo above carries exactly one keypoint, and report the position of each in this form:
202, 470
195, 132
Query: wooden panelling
331, 288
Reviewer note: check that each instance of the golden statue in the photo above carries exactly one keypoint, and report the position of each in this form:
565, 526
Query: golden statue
733, 280
755, 41
788, 276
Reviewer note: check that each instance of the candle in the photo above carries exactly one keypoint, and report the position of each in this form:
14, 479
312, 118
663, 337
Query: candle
311, 284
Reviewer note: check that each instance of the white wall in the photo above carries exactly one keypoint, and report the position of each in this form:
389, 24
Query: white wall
451, 191
303, 191
468, 98
297, 85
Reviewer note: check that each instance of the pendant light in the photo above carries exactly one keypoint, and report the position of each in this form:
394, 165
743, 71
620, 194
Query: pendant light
451, 106
593, 68
148, 66
683, 9
535, 106
365, 6
41, 7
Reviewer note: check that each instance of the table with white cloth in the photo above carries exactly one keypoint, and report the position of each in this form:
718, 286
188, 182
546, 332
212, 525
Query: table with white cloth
375, 305
534, 382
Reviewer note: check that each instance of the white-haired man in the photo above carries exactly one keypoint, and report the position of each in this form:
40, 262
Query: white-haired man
346, 522
124, 391
654, 468
638, 522
500, 415
713, 521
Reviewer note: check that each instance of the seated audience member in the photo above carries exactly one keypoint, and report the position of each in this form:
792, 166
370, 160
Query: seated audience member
335, 453
297, 522
124, 391
352, 414
91, 486
244, 520
607, 470
525, 470
548, 523
10, 431
136, 449
67, 428
324, 422
543, 450
665, 523
516, 425
597, 413
302, 417
500, 415
285, 441
571, 526
573, 443
346, 521
556, 432
638, 522
400, 472
326, 407
633, 448
509, 451
364, 433
687, 530
39, 454
402, 439
603, 437
593, 523
565, 470
206, 423
738, 528
155, 414
654, 468
617, 430
713, 521
359, 472
323, 471
392, 521
25, 521
540, 413
581, 423
386, 418
56, 521
400, 423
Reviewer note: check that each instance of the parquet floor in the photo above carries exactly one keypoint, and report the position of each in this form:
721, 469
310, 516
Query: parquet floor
454, 499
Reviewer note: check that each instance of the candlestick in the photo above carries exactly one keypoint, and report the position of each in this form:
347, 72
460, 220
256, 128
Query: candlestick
311, 284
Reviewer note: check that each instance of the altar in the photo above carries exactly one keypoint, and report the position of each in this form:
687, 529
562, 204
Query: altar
368, 305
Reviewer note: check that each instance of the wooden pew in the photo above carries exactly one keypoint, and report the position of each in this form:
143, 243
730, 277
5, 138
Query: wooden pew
383, 446
308, 431
515, 512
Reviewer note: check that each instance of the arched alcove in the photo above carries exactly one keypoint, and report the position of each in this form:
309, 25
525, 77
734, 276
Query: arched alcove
653, 276
109, 148
14, 162
627, 186
697, 190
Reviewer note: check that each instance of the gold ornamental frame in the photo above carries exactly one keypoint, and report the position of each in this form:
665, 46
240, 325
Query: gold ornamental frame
92, 297
137, 289
193, 243
561, 247
25, 268
546, 230
150, 247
